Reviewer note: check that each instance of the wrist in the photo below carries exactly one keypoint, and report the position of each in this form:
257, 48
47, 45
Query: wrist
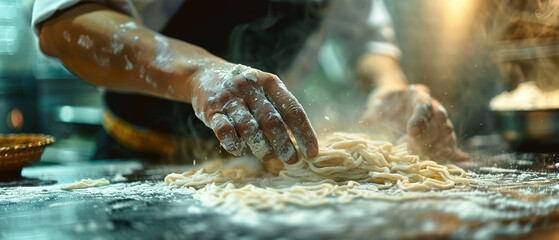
186, 68
381, 71
391, 80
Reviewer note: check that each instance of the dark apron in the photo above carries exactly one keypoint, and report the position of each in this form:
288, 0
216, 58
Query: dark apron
265, 34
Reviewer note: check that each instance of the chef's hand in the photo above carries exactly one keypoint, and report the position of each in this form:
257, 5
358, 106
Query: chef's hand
240, 104
245, 105
428, 130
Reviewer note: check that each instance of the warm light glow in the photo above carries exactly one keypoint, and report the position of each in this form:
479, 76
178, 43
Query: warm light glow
459, 13
15, 119
455, 6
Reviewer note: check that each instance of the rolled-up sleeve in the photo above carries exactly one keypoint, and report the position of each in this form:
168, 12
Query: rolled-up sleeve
382, 39
44, 9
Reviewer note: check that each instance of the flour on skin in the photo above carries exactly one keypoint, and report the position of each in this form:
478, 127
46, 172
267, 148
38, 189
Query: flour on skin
101, 61
259, 147
66, 36
142, 72
163, 57
256, 141
245, 71
170, 92
129, 25
129, 66
151, 82
228, 141
116, 44
85, 41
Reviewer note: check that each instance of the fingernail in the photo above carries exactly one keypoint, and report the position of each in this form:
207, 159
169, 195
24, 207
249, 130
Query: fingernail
293, 159
312, 151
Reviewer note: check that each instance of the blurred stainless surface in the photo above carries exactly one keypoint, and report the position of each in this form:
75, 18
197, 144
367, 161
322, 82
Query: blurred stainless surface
78, 114
15, 38
536, 129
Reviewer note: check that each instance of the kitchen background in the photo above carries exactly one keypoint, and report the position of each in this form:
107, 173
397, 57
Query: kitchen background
39, 95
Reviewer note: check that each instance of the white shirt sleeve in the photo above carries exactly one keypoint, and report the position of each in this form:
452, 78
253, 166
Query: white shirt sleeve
44, 9
384, 40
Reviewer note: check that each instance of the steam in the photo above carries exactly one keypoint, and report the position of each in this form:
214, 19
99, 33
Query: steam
548, 10
528, 49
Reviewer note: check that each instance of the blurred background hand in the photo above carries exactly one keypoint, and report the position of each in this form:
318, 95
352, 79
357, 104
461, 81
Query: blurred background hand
407, 112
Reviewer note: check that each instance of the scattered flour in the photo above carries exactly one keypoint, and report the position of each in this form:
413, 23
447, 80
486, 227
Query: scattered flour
119, 178
487, 215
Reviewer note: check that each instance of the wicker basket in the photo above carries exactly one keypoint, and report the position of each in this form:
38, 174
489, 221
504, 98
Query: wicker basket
20, 150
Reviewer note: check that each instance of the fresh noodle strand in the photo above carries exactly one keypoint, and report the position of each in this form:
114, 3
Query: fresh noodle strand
344, 161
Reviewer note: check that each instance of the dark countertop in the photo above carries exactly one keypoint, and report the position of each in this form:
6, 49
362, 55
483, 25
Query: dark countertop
515, 194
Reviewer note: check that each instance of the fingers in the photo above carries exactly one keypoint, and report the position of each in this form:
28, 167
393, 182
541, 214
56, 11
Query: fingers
445, 150
273, 127
225, 132
420, 119
248, 129
388, 107
372, 113
459, 156
264, 124
292, 114
433, 133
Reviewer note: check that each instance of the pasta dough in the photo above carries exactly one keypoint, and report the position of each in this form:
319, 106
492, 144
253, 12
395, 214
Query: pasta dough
345, 161
85, 183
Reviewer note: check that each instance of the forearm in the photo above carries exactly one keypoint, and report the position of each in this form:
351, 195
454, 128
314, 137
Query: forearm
114, 51
381, 71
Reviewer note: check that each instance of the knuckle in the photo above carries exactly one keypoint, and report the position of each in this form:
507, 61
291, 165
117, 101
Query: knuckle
448, 129
248, 128
239, 82
421, 87
295, 109
214, 107
269, 79
271, 120
221, 126
224, 97
223, 129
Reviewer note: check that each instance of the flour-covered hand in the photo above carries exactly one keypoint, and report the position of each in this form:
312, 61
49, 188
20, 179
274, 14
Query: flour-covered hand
247, 106
427, 127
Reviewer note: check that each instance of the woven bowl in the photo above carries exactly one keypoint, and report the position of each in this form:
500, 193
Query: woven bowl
20, 150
